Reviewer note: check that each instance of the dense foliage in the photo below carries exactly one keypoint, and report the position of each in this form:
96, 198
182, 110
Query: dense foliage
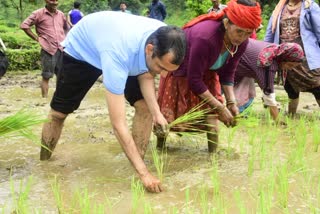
23, 52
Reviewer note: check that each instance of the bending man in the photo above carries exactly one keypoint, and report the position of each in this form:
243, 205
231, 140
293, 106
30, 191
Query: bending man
100, 45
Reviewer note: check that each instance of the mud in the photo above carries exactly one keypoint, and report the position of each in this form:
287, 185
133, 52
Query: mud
89, 157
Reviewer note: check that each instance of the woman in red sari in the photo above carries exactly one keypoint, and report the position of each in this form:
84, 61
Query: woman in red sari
215, 42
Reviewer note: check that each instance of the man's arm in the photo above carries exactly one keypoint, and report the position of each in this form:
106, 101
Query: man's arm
33, 36
26, 26
116, 107
147, 87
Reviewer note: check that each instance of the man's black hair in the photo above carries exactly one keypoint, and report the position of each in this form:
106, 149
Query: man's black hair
76, 4
169, 39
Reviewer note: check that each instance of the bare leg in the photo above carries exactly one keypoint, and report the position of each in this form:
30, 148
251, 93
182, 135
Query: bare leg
213, 133
274, 112
141, 126
293, 106
44, 85
51, 132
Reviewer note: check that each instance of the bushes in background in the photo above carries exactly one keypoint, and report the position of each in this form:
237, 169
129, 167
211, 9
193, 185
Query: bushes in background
22, 59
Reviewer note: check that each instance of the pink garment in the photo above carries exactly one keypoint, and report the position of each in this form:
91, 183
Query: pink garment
244, 91
49, 27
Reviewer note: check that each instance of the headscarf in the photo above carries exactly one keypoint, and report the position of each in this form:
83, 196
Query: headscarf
287, 52
239, 14
278, 9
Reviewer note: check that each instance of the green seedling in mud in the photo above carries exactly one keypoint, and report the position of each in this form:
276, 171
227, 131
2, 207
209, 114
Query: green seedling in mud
318, 196
262, 151
252, 136
251, 159
247, 119
219, 205
283, 185
19, 125
83, 203
187, 195
159, 161
147, 208
315, 135
265, 195
297, 156
204, 202
307, 193
55, 187
188, 202
215, 178
137, 191
21, 201
240, 203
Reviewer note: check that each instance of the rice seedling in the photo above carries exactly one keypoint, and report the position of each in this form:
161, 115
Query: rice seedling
307, 193
84, 203
19, 125
189, 120
240, 203
252, 136
252, 158
283, 185
247, 118
220, 206
187, 206
230, 136
204, 203
266, 191
159, 160
21, 201
147, 208
174, 210
297, 156
215, 179
315, 135
262, 152
55, 187
137, 191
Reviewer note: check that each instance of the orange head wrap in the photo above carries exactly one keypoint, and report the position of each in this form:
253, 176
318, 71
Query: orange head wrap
239, 14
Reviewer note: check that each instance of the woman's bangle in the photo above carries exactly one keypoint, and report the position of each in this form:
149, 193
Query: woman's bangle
221, 108
231, 102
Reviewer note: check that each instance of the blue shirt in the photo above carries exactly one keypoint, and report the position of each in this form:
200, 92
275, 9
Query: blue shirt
309, 31
114, 43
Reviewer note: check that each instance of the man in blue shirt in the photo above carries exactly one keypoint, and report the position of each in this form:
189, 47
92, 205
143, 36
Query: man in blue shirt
118, 46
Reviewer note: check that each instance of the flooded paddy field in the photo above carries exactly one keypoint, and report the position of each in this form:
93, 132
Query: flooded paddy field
260, 168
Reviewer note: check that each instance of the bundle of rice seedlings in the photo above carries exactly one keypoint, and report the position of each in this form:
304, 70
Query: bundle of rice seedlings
19, 125
194, 118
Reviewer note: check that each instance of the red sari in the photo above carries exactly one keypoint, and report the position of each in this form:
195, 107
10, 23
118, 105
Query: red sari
175, 97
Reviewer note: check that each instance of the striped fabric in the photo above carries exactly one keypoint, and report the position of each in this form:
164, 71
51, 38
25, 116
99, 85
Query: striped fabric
248, 66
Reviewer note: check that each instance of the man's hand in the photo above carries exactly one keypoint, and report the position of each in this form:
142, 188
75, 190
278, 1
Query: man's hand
151, 183
161, 128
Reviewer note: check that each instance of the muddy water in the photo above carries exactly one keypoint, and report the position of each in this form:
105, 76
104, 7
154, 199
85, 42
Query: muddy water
89, 157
